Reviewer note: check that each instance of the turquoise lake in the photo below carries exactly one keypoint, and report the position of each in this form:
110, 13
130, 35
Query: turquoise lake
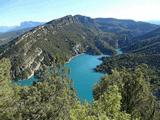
27, 82
81, 73
83, 76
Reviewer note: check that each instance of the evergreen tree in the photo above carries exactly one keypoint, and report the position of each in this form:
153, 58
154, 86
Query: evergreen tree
8, 95
137, 98
107, 107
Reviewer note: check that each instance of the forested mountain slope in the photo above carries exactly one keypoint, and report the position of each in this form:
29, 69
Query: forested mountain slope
10, 33
60, 39
145, 44
57, 40
144, 51
9, 36
125, 29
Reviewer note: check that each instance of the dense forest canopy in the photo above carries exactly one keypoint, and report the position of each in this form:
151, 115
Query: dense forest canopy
122, 95
54, 98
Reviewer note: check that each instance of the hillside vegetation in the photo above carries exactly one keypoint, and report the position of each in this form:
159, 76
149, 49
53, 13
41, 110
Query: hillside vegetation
123, 95
129, 91
53, 98
143, 50
65, 37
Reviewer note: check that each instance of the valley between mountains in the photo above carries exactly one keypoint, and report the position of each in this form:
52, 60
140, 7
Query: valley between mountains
60, 39
128, 90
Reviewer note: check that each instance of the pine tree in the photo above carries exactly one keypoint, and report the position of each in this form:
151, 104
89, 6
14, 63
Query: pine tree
8, 95
107, 107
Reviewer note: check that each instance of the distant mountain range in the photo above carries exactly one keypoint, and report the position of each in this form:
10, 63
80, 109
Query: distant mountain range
6, 28
9, 33
155, 22
23, 25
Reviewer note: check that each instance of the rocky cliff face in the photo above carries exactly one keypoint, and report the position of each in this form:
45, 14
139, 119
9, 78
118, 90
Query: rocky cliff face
56, 41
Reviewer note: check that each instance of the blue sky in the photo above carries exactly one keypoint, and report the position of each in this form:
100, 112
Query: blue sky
12, 12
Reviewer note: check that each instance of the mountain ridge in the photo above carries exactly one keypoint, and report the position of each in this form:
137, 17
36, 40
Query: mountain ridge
24, 24
60, 39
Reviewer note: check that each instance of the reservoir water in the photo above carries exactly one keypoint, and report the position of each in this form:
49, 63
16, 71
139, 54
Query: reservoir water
27, 82
81, 73
119, 51
83, 76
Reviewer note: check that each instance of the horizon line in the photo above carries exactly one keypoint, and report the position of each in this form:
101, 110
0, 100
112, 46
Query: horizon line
148, 21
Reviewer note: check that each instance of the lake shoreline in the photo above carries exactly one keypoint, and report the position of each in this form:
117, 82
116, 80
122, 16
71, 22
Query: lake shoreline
93, 58
73, 57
